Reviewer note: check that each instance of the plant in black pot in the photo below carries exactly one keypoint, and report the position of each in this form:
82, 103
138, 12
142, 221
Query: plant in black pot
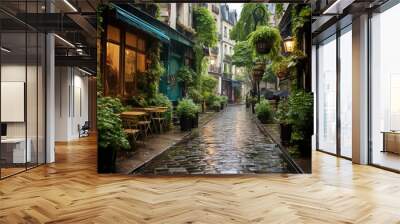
301, 117
281, 116
216, 105
111, 136
187, 111
266, 40
224, 101
263, 111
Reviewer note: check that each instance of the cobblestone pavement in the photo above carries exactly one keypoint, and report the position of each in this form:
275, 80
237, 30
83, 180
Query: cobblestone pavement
229, 144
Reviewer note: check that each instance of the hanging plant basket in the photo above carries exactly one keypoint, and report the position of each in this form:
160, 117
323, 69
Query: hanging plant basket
263, 46
266, 40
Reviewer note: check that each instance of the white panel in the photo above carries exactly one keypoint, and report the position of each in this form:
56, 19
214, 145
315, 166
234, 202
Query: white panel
12, 101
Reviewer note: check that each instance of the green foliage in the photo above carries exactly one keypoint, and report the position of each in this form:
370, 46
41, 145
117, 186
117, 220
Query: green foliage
246, 23
300, 114
206, 36
109, 124
216, 105
243, 55
148, 81
161, 100
195, 95
205, 27
224, 100
187, 108
269, 75
270, 35
281, 114
299, 19
101, 9
263, 111
208, 83
279, 10
185, 75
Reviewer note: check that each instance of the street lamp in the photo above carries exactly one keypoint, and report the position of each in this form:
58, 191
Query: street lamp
288, 43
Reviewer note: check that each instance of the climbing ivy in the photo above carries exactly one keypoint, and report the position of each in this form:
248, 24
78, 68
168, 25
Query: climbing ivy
246, 23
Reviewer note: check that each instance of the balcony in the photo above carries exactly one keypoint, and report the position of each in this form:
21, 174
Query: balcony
228, 57
214, 69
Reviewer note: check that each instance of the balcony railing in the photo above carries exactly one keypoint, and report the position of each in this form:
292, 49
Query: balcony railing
214, 69
228, 57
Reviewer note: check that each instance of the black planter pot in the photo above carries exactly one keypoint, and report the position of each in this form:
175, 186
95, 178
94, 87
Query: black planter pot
305, 147
106, 160
222, 106
195, 121
286, 133
185, 123
264, 47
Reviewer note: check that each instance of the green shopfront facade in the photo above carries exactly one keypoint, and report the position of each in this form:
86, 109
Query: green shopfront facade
129, 33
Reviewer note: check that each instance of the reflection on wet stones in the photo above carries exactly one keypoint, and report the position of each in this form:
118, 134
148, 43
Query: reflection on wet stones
229, 144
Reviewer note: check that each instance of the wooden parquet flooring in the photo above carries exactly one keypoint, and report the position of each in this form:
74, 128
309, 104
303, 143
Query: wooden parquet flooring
70, 191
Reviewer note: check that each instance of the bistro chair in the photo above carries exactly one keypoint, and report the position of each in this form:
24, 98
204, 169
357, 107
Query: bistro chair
158, 121
144, 125
130, 126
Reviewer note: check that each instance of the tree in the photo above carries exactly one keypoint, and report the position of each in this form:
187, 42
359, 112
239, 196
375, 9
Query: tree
246, 23
243, 54
206, 36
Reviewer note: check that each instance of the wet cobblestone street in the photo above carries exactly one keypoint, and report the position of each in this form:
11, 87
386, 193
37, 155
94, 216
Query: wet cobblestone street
231, 143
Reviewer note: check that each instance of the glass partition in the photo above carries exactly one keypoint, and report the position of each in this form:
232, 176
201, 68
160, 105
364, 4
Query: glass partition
346, 92
385, 89
327, 95
22, 93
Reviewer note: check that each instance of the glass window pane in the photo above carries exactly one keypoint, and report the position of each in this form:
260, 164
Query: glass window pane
14, 153
141, 62
141, 44
112, 70
113, 33
131, 40
32, 100
130, 70
385, 88
327, 96
346, 94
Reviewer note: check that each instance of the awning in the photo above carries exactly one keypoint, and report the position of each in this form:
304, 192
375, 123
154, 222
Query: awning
162, 27
135, 21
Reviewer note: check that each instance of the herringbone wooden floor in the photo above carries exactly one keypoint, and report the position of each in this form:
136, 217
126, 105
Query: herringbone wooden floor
70, 191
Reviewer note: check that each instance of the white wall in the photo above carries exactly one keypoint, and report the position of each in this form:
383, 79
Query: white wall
71, 102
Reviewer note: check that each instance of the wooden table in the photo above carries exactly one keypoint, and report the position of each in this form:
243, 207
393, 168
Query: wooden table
133, 113
391, 141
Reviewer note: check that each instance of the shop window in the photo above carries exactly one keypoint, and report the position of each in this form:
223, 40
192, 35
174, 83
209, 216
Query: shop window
130, 72
113, 34
141, 62
112, 69
131, 40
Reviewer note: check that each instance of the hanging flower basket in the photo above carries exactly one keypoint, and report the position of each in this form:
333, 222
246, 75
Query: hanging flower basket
264, 47
258, 71
266, 40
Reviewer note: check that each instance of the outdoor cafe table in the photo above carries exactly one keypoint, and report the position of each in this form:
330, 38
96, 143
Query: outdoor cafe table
133, 113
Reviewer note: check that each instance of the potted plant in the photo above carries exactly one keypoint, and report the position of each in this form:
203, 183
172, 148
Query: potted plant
224, 101
283, 120
216, 105
186, 111
281, 67
300, 115
266, 40
111, 135
263, 111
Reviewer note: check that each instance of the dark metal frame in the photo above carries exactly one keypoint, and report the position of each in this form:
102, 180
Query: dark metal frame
339, 32
44, 80
387, 5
